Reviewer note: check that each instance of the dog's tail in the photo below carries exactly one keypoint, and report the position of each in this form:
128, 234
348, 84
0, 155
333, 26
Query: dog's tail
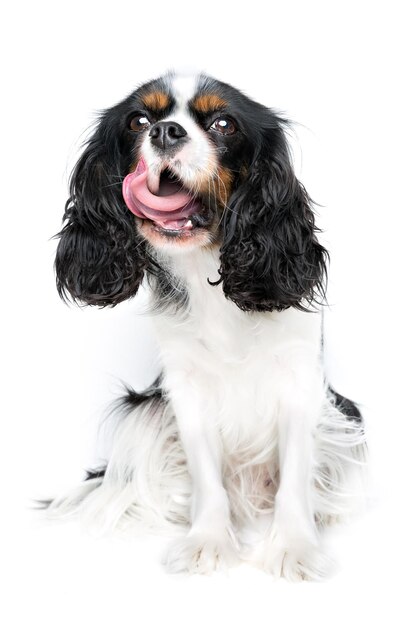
146, 478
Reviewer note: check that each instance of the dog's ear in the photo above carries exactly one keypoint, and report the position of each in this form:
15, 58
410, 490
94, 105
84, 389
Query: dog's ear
100, 258
270, 257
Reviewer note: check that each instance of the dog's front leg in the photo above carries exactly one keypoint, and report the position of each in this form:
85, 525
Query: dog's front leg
210, 542
293, 544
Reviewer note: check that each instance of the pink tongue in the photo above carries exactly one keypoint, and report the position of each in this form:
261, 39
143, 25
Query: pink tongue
169, 211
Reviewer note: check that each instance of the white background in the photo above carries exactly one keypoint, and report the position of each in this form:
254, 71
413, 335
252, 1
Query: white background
345, 72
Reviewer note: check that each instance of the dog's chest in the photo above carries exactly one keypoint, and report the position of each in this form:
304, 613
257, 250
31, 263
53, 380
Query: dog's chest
212, 332
236, 360
218, 331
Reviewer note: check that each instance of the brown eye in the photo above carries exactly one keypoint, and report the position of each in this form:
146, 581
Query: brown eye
138, 123
224, 125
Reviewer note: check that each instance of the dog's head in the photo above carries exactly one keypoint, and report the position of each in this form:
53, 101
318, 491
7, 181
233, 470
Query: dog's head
187, 162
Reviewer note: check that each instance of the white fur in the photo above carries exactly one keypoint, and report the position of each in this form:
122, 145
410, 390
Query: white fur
248, 432
196, 161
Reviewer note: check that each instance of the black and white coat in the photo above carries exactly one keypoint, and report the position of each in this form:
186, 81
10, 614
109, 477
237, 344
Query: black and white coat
241, 430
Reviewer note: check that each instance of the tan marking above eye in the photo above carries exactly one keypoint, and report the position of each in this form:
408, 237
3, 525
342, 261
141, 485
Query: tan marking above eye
156, 100
208, 102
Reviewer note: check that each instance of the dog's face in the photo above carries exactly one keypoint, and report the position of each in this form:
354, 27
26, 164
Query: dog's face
192, 141
188, 162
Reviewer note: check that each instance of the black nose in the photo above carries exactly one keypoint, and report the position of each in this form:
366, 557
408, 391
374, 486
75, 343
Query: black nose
166, 134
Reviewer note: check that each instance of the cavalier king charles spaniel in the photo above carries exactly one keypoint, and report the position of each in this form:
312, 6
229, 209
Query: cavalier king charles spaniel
188, 184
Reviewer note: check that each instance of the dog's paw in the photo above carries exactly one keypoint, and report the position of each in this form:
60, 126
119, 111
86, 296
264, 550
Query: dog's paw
296, 559
202, 553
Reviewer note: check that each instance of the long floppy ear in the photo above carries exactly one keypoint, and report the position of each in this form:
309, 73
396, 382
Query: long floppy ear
99, 258
270, 258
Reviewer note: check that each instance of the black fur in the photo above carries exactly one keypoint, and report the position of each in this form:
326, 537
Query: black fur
346, 406
270, 257
154, 394
96, 473
169, 293
100, 258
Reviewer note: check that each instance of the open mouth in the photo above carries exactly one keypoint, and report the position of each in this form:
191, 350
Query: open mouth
171, 207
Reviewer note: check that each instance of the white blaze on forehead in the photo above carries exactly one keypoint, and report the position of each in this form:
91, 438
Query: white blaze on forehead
196, 161
184, 88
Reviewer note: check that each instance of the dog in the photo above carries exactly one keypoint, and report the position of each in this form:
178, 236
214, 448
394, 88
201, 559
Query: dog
188, 185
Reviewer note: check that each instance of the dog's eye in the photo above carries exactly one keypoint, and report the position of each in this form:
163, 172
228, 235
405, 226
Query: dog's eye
138, 123
224, 125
